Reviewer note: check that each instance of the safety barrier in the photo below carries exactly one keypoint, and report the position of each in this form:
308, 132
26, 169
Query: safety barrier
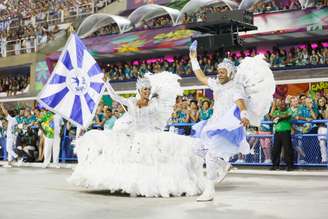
308, 150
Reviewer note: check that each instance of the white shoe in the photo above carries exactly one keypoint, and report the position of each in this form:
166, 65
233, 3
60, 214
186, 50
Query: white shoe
44, 166
209, 192
7, 166
20, 162
57, 166
240, 161
267, 161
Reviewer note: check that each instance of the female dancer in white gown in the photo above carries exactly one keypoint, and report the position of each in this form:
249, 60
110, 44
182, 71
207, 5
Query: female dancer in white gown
242, 96
137, 156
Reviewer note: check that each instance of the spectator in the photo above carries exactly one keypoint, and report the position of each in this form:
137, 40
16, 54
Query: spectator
27, 145
314, 59
282, 136
205, 112
306, 112
193, 112
109, 119
322, 130
18, 47
99, 117
265, 142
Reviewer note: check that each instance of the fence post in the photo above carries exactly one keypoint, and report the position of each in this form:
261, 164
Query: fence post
35, 45
4, 148
62, 144
326, 137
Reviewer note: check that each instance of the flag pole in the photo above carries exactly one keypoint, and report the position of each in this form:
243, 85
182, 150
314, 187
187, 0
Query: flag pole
110, 88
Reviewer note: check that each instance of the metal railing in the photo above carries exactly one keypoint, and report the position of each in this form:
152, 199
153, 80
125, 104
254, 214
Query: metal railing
308, 143
19, 46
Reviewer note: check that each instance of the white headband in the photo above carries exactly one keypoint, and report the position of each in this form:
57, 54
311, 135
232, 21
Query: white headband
229, 65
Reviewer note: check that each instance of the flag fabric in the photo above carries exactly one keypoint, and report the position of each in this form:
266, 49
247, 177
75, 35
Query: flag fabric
75, 86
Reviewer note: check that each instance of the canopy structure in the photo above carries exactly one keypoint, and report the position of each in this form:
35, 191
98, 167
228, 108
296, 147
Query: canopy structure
150, 11
96, 21
194, 5
247, 4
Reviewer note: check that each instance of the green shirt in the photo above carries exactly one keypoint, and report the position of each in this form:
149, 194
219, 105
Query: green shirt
283, 124
47, 124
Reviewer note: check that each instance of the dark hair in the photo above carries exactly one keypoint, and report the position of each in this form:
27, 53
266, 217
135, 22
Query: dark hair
193, 101
206, 101
109, 110
302, 95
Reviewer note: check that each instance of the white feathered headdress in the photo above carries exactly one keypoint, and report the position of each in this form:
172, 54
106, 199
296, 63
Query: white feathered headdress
143, 82
229, 65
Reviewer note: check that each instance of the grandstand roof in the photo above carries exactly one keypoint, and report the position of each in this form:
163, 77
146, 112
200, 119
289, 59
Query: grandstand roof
195, 5
150, 11
96, 21
246, 4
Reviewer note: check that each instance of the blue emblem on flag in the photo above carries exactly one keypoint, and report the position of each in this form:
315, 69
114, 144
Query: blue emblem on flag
76, 85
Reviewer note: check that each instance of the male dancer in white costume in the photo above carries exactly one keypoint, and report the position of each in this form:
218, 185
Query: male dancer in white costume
225, 72
224, 134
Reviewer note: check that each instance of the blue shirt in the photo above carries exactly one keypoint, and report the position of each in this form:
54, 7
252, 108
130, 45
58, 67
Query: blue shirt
181, 116
205, 115
305, 112
109, 123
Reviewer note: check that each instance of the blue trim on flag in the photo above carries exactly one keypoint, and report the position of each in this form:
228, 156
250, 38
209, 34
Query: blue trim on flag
54, 99
91, 104
76, 113
58, 79
94, 70
79, 51
67, 61
97, 86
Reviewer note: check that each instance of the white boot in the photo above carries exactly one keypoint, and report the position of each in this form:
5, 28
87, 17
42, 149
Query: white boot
223, 170
209, 192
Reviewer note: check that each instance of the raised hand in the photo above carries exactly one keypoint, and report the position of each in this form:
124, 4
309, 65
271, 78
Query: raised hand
193, 50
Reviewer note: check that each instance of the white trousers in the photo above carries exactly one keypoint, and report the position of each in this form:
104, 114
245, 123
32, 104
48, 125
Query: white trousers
323, 143
51, 147
10, 142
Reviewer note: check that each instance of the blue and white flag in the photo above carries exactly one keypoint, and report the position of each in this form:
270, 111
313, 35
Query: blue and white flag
75, 86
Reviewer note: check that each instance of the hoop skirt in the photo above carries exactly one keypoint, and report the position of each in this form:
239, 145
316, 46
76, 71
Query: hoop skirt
137, 157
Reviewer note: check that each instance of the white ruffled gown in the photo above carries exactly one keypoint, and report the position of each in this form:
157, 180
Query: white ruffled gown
223, 134
137, 157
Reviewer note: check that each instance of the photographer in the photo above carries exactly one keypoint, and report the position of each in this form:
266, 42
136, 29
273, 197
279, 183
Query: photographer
26, 143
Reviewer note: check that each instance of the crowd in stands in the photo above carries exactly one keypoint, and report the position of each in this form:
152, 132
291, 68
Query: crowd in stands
26, 24
107, 30
158, 22
13, 85
291, 57
23, 12
258, 7
29, 23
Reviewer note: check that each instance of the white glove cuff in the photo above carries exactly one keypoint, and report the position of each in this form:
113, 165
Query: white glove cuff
243, 114
194, 64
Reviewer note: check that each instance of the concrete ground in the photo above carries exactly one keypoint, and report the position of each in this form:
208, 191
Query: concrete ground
34, 193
